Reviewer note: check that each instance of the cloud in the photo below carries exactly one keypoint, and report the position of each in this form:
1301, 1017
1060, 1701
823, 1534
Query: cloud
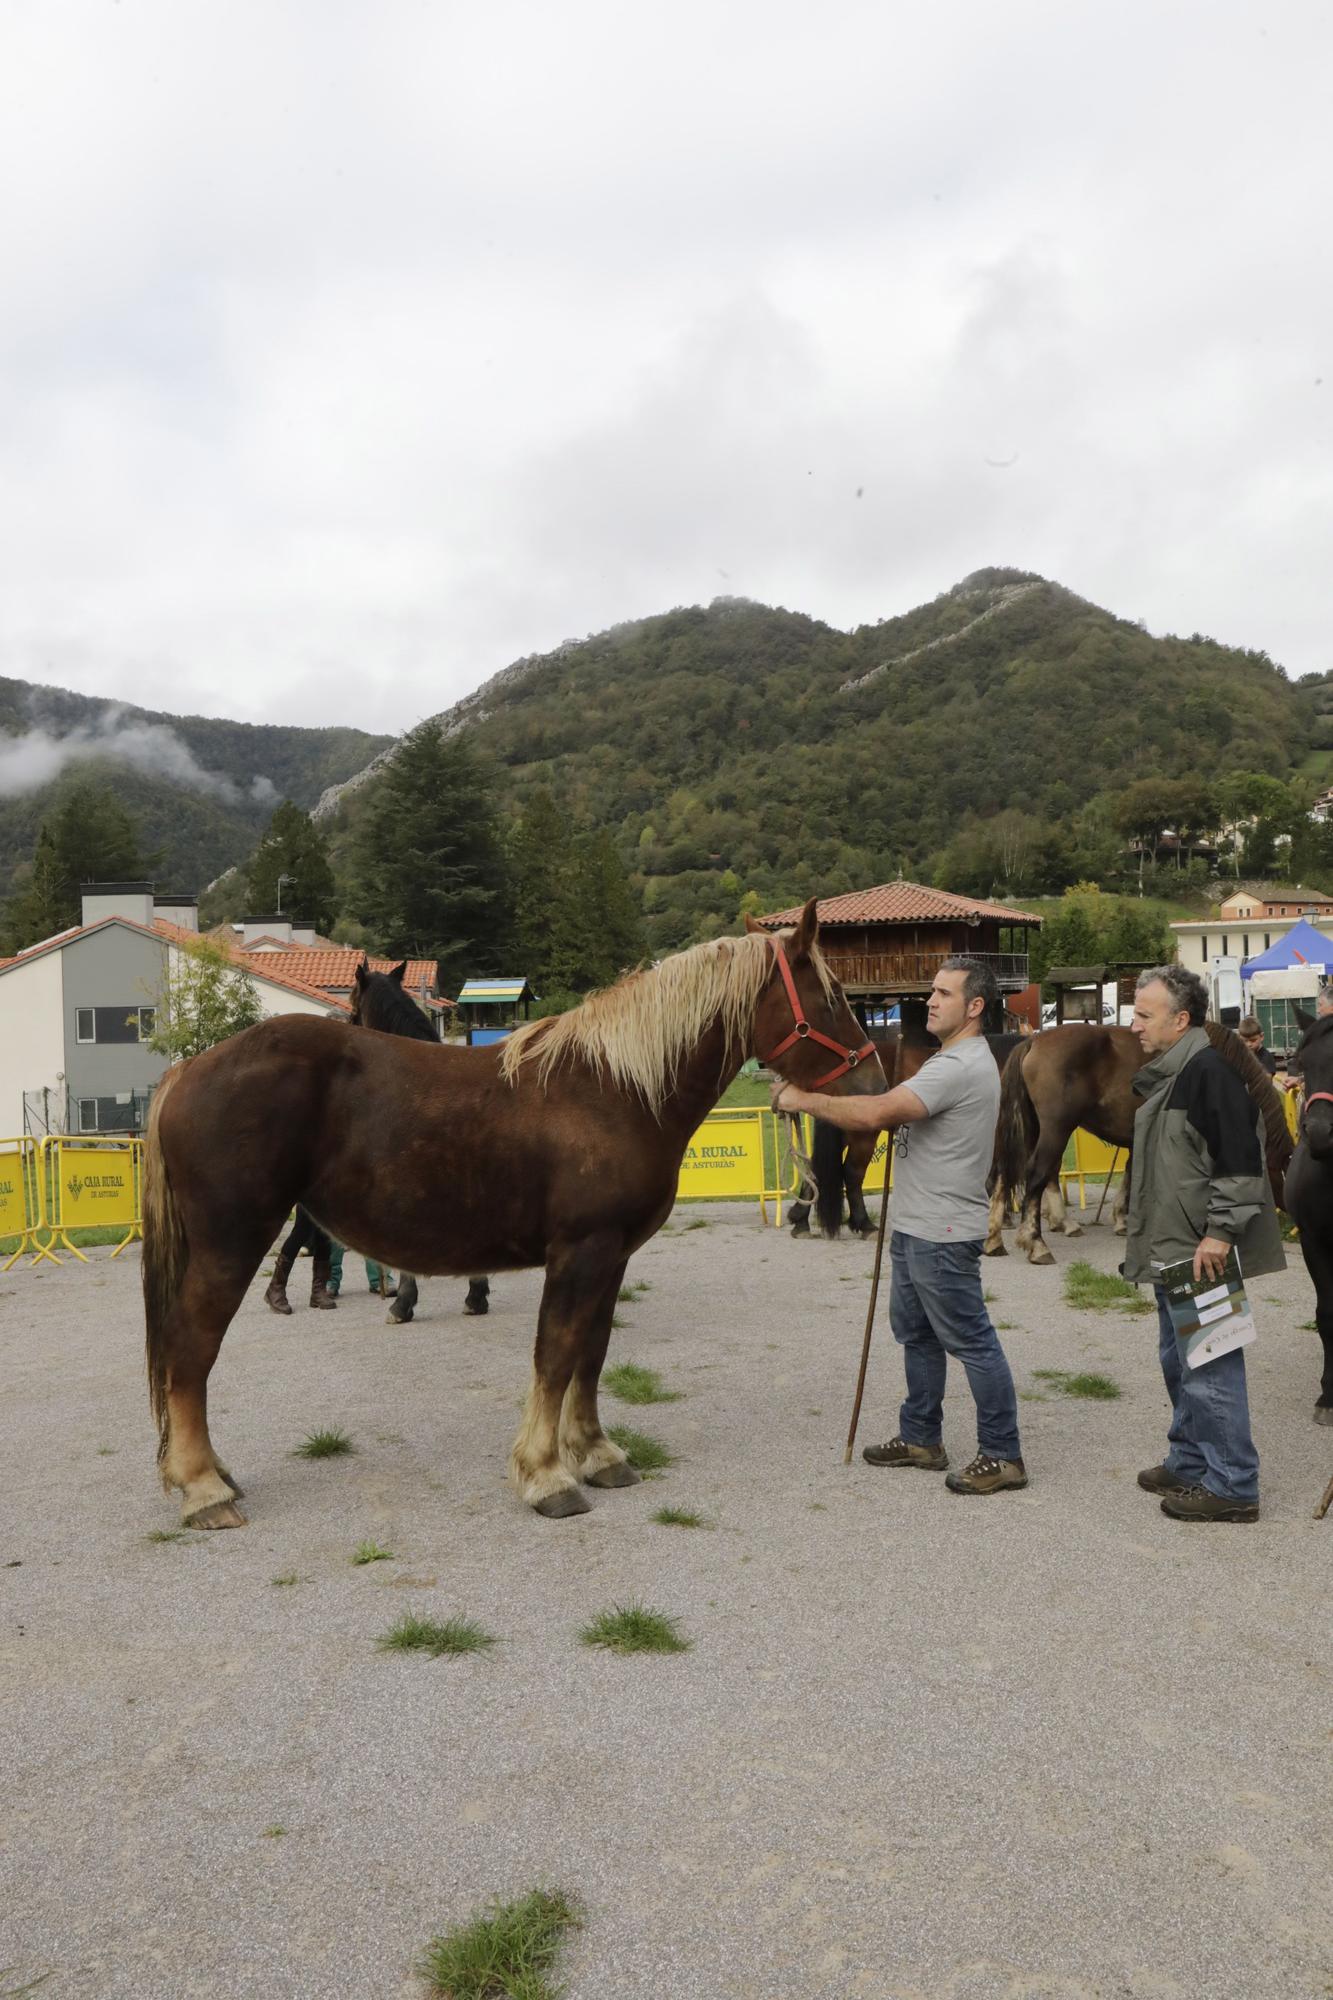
29, 761
484, 328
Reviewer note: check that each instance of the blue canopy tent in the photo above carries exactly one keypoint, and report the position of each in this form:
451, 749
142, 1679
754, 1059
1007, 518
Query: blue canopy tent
1302, 945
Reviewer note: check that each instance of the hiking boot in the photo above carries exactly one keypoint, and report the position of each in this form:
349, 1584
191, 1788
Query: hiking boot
921, 1457
275, 1298
320, 1295
1196, 1503
1161, 1479
988, 1475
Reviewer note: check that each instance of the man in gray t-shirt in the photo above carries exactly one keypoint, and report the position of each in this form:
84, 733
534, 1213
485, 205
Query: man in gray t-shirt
943, 1123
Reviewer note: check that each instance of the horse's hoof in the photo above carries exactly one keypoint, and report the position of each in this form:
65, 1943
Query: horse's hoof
800, 1229
478, 1310
1323, 1414
993, 1250
399, 1318
1039, 1254
1072, 1228
222, 1514
238, 1492
621, 1473
557, 1506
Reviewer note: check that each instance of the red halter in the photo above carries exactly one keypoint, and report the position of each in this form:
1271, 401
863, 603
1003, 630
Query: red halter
1317, 1097
803, 1032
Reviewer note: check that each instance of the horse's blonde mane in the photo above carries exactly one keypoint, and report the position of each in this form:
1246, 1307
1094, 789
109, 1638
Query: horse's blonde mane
636, 1033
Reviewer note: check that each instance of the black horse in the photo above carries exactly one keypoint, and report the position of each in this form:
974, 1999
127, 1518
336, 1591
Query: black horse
380, 1002
1308, 1197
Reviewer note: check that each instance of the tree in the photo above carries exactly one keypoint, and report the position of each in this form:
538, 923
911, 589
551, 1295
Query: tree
289, 870
430, 870
578, 922
88, 838
205, 998
1144, 811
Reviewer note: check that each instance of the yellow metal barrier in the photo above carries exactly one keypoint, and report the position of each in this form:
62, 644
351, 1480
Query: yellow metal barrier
22, 1204
736, 1153
92, 1185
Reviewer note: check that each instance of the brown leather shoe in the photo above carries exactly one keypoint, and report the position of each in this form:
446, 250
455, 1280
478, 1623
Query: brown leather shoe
1159, 1479
320, 1295
988, 1475
898, 1453
275, 1298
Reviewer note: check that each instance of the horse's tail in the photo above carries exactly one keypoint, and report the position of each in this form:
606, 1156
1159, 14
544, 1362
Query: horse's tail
1016, 1133
826, 1164
166, 1253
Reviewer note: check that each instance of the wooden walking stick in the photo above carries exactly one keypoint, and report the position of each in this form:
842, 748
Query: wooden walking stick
874, 1295
1325, 1503
1105, 1186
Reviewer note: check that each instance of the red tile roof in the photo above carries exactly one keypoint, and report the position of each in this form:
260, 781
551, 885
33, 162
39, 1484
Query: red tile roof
335, 969
266, 966
901, 903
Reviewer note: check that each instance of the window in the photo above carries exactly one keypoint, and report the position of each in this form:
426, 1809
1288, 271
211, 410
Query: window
1224, 944
1268, 940
147, 1022
1245, 945
87, 1114
85, 1025
1203, 947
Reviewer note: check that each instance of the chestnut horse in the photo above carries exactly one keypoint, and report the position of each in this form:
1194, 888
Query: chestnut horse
1309, 1189
559, 1147
1084, 1076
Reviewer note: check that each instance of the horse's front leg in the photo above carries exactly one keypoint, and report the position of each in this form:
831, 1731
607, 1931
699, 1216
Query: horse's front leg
574, 1322
478, 1298
999, 1203
1056, 1213
855, 1166
584, 1446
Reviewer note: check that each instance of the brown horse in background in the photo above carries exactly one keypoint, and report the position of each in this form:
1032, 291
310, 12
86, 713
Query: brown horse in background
1076, 1076
560, 1147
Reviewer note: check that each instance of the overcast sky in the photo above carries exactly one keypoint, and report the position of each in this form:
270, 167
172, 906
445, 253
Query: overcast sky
350, 349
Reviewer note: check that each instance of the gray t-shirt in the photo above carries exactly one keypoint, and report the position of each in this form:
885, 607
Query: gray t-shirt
940, 1164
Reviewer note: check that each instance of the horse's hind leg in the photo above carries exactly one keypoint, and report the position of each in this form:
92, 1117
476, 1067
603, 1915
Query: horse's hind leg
999, 1203
1056, 1214
405, 1304
1043, 1167
584, 1446
577, 1298
478, 1300
209, 1295
860, 1152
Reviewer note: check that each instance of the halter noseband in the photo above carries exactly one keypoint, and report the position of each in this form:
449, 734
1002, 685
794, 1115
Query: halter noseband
1316, 1097
803, 1032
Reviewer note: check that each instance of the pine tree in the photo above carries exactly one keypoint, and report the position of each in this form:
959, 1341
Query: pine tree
430, 869
88, 838
290, 869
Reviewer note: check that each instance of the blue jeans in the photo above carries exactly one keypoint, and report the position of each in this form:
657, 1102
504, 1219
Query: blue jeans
1210, 1442
936, 1309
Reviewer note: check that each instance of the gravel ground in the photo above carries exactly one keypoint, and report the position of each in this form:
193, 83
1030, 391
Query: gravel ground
1046, 1746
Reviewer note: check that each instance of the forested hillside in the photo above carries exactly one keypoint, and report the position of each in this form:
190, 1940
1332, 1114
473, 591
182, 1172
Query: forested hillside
200, 791
988, 738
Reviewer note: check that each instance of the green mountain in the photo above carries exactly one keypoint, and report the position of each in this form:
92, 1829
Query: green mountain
201, 791
742, 748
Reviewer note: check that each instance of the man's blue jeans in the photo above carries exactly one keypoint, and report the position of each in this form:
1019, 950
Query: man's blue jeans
1210, 1442
936, 1309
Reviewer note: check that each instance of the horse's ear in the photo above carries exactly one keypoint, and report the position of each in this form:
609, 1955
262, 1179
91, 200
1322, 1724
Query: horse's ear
1305, 1020
807, 930
396, 973
754, 929
362, 972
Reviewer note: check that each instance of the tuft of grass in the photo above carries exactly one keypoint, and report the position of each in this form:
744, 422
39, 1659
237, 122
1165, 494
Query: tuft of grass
168, 1535
1099, 1291
699, 1222
414, 1634
988, 1298
633, 1628
679, 1517
633, 1384
1093, 1388
645, 1454
106, 1451
617, 1321
506, 1952
371, 1552
274, 1832
324, 1444
288, 1576
1308, 1326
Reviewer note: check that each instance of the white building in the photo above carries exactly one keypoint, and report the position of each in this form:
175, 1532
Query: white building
76, 1012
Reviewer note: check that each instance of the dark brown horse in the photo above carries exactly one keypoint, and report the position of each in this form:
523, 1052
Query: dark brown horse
379, 1002
560, 1147
1083, 1076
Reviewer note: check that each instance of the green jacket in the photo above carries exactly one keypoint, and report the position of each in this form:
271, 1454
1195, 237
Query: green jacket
1198, 1165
